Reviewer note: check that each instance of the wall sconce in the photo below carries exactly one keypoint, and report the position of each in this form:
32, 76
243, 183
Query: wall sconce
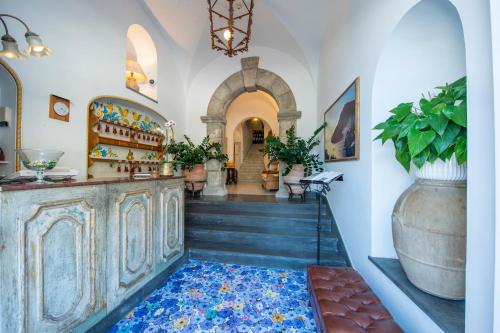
10, 49
134, 74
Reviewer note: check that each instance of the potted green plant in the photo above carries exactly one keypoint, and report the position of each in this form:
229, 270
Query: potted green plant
297, 154
191, 158
429, 218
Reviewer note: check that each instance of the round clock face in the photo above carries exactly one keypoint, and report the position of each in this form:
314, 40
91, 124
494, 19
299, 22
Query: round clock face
61, 109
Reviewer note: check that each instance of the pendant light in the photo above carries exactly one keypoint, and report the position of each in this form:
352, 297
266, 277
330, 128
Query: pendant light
10, 48
230, 25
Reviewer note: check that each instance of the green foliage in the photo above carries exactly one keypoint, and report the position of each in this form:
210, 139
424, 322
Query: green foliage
437, 129
187, 154
295, 151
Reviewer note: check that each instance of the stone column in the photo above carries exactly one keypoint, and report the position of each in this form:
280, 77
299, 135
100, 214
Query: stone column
286, 119
215, 130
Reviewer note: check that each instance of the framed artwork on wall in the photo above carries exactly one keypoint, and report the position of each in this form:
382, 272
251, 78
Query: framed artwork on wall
342, 129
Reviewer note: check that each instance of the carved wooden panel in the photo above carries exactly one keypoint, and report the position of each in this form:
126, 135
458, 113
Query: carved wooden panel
135, 247
172, 222
57, 266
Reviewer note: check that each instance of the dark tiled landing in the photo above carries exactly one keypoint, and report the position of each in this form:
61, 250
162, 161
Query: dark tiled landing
449, 315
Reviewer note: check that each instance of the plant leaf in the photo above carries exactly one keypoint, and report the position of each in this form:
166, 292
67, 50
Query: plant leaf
407, 125
461, 150
442, 143
402, 154
421, 158
402, 110
418, 141
438, 123
458, 114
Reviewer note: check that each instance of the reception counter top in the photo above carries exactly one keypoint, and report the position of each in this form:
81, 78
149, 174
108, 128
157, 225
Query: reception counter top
73, 251
88, 182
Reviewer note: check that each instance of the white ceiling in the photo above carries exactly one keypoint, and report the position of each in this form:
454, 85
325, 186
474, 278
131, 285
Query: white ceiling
295, 27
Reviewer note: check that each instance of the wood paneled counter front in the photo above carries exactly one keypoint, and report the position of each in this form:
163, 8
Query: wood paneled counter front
71, 252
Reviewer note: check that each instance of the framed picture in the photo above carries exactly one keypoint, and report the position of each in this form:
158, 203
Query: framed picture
59, 108
342, 129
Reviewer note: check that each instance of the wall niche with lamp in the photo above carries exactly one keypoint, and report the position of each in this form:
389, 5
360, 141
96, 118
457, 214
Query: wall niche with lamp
141, 63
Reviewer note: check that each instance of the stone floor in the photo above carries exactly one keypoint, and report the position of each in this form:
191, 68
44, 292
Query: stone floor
248, 188
212, 297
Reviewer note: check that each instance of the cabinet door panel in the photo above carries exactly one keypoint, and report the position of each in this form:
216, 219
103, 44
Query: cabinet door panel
57, 266
135, 232
172, 223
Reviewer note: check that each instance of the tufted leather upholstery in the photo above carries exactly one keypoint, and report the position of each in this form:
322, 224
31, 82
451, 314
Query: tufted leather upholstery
343, 302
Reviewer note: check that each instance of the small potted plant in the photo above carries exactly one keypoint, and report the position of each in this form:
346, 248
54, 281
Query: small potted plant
429, 218
297, 154
191, 159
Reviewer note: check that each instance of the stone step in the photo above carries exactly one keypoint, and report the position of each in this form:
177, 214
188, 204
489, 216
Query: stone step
283, 210
256, 219
261, 240
270, 259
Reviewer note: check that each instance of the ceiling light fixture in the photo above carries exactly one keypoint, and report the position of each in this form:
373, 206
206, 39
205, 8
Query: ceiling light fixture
10, 49
230, 25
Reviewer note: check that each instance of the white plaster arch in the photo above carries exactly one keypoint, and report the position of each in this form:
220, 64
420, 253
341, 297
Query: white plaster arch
409, 47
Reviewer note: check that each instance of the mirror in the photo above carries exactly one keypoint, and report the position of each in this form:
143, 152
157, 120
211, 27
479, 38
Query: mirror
10, 119
141, 62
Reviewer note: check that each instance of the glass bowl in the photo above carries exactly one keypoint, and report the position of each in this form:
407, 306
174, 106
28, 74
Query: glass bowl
39, 160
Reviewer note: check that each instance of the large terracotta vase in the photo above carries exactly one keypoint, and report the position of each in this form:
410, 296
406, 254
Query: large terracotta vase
294, 177
198, 175
429, 229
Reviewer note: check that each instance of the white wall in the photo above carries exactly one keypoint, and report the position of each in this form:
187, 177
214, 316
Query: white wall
352, 48
8, 98
89, 43
409, 47
209, 78
246, 106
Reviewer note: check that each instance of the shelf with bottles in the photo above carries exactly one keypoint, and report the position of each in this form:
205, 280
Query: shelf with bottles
118, 128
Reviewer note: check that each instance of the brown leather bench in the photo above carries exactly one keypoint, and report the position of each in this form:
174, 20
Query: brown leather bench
343, 303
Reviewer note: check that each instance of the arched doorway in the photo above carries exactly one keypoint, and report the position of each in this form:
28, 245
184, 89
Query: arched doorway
11, 106
250, 78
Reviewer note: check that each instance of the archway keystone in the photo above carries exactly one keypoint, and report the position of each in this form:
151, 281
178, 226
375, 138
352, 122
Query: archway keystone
249, 79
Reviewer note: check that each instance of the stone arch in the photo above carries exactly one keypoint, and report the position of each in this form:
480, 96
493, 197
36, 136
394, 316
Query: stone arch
249, 79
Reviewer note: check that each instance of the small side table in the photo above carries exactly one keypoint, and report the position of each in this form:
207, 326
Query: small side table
291, 193
190, 187
231, 175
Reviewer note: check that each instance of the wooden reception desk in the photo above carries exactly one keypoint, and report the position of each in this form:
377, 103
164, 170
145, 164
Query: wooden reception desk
71, 252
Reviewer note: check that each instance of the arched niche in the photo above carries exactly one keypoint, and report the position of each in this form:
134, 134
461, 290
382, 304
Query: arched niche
10, 137
425, 50
141, 63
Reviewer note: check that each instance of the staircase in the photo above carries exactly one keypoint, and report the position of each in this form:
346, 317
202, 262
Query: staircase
252, 166
261, 231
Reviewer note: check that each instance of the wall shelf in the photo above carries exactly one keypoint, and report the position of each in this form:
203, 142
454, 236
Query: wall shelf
4, 162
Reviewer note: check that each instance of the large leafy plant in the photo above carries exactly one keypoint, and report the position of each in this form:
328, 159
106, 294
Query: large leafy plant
437, 128
294, 151
187, 154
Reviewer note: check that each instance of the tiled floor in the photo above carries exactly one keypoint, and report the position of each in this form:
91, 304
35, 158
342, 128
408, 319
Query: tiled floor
212, 297
248, 188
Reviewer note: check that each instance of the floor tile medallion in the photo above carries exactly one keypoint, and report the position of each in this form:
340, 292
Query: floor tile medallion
212, 297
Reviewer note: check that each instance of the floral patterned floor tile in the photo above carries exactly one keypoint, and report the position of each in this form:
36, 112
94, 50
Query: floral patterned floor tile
218, 298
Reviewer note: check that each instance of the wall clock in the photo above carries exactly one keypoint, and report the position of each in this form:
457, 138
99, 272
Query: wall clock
59, 108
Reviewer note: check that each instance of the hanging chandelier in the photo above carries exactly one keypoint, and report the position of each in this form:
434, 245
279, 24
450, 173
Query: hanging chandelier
230, 25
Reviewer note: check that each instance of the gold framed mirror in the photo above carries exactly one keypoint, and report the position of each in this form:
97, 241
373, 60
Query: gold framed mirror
17, 109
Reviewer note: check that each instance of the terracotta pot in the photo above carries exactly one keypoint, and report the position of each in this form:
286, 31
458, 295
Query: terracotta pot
294, 177
196, 175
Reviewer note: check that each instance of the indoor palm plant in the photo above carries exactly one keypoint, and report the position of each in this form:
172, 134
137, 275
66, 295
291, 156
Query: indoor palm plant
191, 158
429, 218
297, 154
